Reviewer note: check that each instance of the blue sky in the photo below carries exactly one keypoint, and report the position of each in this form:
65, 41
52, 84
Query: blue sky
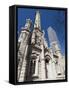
53, 18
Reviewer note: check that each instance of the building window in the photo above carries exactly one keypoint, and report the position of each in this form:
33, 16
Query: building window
34, 63
32, 67
46, 70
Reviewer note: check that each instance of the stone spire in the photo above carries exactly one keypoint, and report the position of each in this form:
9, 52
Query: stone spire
37, 23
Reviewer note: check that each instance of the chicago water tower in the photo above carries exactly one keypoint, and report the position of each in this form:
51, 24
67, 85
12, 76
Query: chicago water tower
36, 60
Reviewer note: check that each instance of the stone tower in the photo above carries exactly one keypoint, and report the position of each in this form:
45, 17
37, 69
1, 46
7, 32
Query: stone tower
37, 55
35, 59
23, 44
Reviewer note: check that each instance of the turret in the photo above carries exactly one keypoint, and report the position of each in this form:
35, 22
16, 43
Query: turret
23, 29
23, 42
27, 24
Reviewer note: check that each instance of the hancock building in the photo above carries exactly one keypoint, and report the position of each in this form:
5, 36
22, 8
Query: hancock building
36, 60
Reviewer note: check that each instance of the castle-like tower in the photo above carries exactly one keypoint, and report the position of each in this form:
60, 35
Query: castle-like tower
37, 61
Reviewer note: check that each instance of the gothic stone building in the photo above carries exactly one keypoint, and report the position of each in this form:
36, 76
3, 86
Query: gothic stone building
37, 61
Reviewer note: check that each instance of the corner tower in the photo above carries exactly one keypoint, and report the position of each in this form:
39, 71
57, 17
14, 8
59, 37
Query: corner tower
37, 55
